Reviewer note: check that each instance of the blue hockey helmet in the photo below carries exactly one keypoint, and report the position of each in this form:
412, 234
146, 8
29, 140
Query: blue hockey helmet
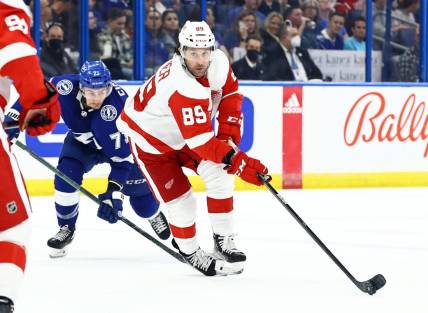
94, 74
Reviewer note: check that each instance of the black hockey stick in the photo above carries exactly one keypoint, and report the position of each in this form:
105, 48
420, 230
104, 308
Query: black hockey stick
369, 286
72, 183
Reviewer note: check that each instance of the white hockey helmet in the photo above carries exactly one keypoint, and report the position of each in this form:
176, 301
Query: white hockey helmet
196, 35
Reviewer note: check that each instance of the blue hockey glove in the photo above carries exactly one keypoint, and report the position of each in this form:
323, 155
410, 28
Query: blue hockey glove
11, 124
111, 207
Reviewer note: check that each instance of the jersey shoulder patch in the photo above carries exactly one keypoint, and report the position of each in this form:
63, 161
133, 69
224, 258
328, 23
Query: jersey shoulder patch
65, 84
64, 87
108, 112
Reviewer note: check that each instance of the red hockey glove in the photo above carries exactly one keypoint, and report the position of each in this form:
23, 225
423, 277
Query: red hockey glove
247, 168
229, 127
43, 115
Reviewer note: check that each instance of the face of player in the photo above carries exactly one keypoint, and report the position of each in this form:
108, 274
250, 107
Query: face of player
95, 97
197, 60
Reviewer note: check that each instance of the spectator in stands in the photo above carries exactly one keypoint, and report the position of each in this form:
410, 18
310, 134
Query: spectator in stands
409, 62
283, 5
245, 25
294, 17
54, 60
115, 43
403, 22
45, 14
250, 66
268, 6
330, 37
249, 5
216, 29
156, 4
378, 9
346, 6
95, 51
326, 7
270, 30
292, 63
170, 30
106, 5
357, 40
62, 12
313, 26
405, 11
156, 52
94, 7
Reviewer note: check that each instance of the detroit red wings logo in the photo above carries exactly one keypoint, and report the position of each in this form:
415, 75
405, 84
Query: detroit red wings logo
216, 97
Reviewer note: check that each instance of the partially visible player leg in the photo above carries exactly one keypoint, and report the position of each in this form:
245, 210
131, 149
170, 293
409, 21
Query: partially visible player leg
66, 205
144, 203
171, 186
12, 263
14, 225
147, 207
220, 187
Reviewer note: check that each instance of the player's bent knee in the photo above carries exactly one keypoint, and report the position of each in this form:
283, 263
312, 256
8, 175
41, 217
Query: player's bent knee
145, 206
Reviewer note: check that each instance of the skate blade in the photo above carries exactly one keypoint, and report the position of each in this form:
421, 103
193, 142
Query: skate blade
224, 268
57, 253
233, 268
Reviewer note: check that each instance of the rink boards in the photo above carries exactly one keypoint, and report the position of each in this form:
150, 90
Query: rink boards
309, 136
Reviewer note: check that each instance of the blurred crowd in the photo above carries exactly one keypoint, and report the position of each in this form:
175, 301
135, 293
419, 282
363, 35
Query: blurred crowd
263, 39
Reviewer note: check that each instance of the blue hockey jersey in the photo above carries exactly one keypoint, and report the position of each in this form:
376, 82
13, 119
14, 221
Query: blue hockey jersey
96, 128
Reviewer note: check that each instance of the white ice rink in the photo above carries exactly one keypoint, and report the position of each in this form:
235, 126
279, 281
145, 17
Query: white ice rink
112, 268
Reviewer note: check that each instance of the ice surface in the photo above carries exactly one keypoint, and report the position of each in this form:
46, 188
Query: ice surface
112, 268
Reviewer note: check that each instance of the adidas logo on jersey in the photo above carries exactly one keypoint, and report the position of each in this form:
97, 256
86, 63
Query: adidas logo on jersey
292, 106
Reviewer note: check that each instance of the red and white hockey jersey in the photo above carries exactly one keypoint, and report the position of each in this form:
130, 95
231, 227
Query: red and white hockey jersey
18, 56
18, 65
173, 109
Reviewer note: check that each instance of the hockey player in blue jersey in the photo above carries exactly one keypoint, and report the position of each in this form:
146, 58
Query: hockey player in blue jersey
90, 104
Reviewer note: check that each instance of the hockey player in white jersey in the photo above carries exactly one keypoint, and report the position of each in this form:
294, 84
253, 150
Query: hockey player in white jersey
19, 65
169, 124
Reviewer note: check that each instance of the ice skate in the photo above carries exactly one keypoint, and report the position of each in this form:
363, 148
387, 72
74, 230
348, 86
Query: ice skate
6, 305
160, 226
60, 241
208, 264
225, 249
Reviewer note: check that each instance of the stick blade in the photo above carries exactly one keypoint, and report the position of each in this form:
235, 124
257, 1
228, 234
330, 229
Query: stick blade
378, 281
372, 285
